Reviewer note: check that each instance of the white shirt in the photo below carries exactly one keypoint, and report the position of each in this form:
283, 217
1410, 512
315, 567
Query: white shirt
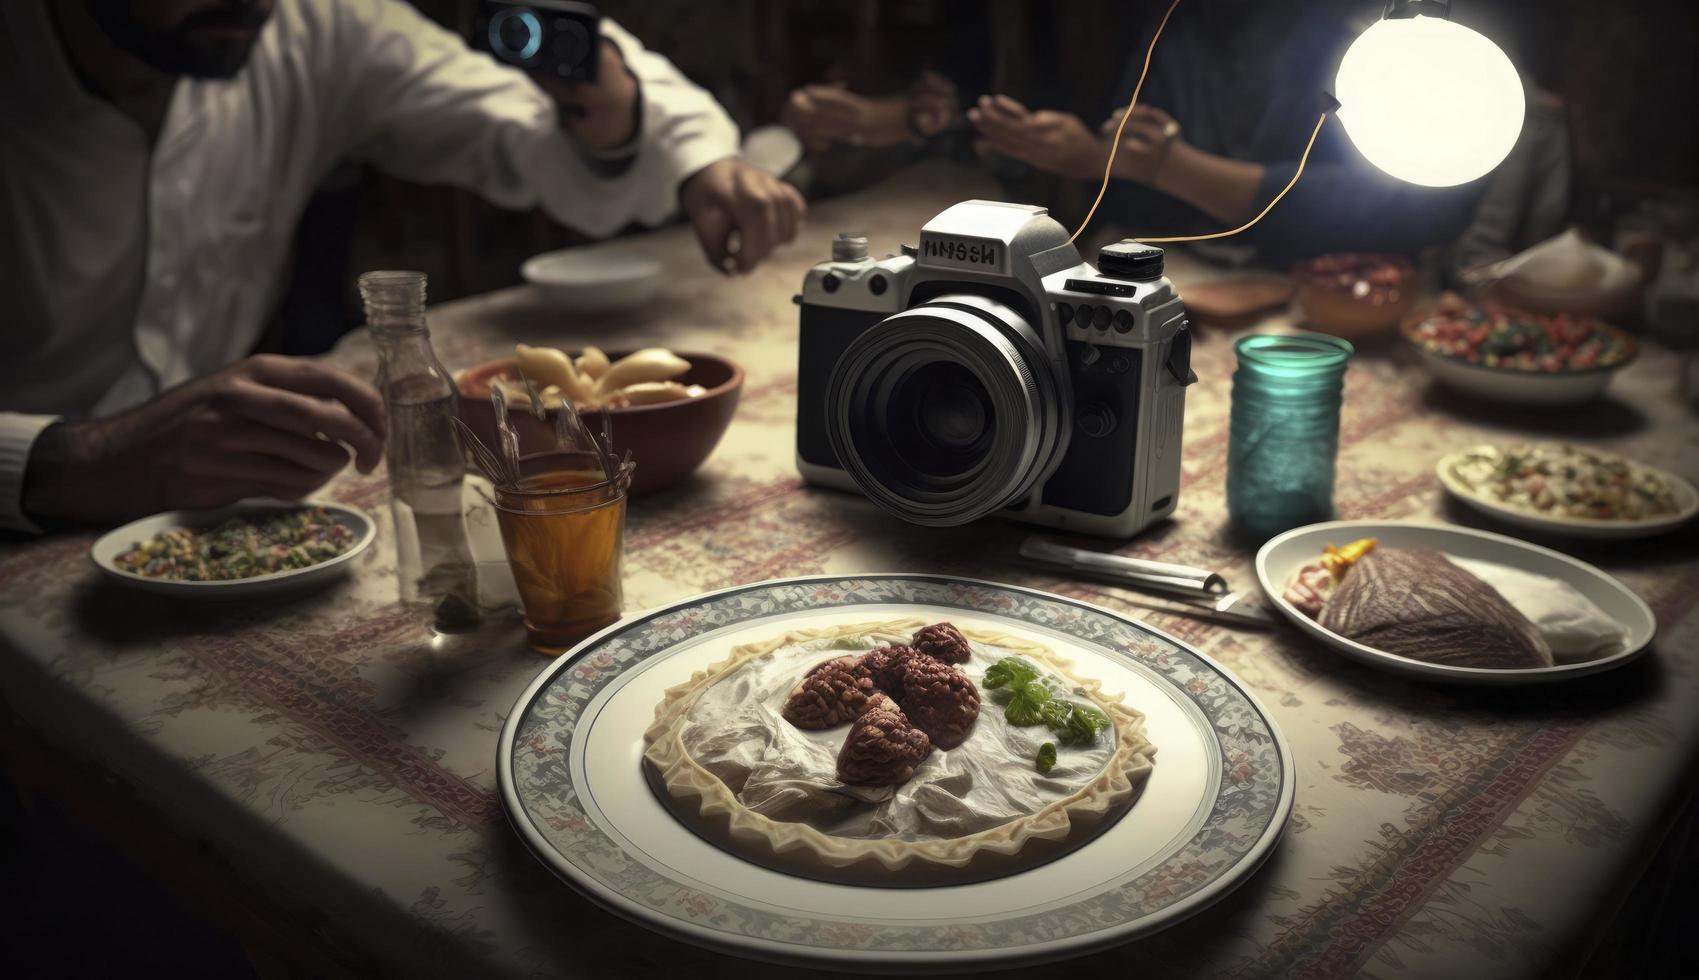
126, 269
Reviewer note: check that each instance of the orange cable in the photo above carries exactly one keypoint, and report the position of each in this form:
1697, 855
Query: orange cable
1270, 207
1109, 165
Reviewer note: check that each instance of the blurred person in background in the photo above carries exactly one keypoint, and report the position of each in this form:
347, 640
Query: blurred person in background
155, 156
1234, 90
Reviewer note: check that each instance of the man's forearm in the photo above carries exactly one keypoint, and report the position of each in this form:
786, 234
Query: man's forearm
1221, 187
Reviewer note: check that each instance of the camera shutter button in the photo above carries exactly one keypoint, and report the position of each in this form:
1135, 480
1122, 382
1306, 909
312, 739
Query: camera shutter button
1096, 419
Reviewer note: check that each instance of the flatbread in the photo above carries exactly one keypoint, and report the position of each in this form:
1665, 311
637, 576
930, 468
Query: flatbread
724, 761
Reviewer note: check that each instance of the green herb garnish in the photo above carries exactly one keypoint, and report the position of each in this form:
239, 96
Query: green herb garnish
1026, 707
1046, 757
1083, 725
1009, 672
1055, 713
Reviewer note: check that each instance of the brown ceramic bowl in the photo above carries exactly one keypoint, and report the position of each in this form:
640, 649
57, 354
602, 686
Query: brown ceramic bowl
1356, 296
667, 441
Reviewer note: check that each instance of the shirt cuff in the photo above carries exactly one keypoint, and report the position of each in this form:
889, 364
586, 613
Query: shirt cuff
18, 433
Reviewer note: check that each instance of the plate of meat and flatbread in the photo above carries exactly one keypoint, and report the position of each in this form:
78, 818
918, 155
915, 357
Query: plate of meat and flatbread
1546, 617
659, 769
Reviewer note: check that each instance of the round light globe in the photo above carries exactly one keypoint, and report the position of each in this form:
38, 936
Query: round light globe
1429, 101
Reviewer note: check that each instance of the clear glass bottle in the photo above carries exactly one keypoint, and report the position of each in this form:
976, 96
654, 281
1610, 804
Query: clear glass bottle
1284, 432
423, 451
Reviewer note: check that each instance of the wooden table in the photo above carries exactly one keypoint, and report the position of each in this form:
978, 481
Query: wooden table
322, 771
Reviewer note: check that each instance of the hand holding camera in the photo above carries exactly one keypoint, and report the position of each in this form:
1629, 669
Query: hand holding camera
559, 42
602, 114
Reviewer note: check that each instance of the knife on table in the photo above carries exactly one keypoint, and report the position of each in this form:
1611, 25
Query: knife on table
1194, 591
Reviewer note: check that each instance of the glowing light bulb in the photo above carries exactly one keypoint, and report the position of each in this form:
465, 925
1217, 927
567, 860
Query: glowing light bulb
1429, 101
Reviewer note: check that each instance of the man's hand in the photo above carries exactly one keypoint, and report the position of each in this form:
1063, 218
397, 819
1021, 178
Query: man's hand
740, 213
1055, 142
603, 115
821, 115
932, 104
268, 426
1146, 141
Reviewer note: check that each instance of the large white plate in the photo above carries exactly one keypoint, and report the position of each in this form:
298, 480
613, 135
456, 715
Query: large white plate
113, 543
572, 782
1281, 558
1687, 502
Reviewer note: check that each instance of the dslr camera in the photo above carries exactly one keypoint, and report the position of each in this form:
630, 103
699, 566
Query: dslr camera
557, 38
991, 370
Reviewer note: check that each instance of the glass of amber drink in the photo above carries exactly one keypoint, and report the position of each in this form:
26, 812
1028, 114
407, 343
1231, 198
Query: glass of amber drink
564, 529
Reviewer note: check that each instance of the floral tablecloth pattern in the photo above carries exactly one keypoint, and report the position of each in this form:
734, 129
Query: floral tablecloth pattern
333, 748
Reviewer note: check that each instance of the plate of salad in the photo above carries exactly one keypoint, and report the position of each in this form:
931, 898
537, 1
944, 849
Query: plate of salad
1510, 355
1569, 490
246, 549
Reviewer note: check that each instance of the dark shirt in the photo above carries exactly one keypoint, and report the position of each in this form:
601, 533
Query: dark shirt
1245, 80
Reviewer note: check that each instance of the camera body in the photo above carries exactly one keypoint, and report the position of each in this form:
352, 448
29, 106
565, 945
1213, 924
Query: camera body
553, 38
991, 370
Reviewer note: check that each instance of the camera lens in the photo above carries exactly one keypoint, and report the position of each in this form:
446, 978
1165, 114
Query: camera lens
516, 35
948, 411
939, 420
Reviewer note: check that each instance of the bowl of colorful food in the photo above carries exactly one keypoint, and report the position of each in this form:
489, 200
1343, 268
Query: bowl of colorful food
1569, 490
1358, 296
249, 548
1510, 355
669, 409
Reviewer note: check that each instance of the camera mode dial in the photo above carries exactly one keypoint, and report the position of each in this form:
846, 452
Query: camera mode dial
1130, 260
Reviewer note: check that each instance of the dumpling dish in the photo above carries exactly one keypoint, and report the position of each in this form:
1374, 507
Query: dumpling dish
895, 753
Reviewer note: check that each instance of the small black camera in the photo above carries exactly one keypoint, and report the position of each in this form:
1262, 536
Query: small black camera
553, 38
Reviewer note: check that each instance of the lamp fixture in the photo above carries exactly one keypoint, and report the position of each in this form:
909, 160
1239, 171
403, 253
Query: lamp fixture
1425, 100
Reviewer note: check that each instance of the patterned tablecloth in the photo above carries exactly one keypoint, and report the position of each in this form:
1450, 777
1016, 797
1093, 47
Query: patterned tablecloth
340, 758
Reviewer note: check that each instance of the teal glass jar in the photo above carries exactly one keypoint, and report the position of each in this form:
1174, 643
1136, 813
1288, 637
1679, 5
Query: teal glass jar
1284, 432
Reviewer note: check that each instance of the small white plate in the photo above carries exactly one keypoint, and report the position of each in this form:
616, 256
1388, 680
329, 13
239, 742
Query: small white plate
593, 279
1687, 503
1281, 558
113, 543
774, 149
570, 769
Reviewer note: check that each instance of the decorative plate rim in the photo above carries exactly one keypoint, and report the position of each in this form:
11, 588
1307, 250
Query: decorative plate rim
610, 898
